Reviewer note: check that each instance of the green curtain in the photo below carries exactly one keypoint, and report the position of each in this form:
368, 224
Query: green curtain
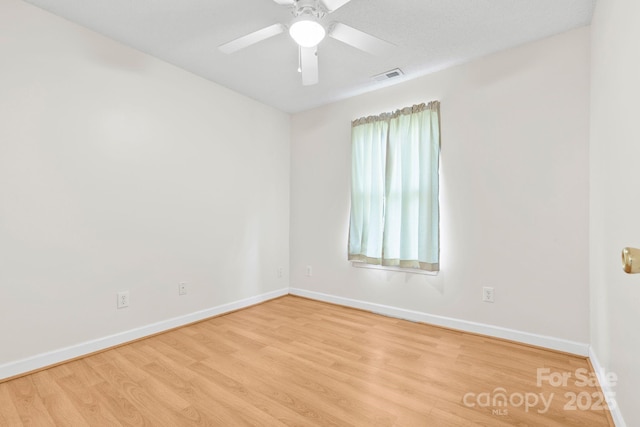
394, 216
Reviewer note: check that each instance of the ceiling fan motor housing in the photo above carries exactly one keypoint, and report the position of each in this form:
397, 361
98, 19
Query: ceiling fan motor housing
309, 8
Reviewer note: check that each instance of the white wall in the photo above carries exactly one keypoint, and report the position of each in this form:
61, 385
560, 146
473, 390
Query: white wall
614, 198
119, 171
514, 198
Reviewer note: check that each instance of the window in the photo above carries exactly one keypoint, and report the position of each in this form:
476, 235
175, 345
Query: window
394, 218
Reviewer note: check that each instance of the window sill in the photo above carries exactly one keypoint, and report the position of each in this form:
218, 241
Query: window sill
396, 269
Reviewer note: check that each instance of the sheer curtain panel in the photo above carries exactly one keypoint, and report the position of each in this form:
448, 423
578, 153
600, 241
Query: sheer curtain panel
394, 218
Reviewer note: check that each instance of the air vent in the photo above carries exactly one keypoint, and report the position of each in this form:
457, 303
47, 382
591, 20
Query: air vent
391, 74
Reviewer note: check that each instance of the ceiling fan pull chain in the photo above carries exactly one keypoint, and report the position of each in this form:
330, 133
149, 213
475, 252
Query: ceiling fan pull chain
299, 59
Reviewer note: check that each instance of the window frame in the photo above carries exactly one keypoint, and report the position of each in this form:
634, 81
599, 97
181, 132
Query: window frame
429, 260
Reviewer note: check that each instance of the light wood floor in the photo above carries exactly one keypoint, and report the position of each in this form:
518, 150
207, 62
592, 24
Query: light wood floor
293, 361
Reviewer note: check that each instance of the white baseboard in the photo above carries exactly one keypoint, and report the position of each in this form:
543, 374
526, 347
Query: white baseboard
553, 343
601, 373
43, 360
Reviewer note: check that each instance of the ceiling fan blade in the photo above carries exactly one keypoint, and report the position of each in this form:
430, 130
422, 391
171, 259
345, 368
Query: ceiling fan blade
252, 38
359, 39
332, 5
309, 65
285, 2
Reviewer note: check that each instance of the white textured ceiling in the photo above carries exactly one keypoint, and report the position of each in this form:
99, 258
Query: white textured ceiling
429, 35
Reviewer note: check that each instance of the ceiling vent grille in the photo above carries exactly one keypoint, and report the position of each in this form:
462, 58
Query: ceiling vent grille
391, 74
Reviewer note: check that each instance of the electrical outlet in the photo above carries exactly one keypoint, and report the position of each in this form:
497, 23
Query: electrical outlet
309, 271
487, 294
123, 299
280, 272
182, 288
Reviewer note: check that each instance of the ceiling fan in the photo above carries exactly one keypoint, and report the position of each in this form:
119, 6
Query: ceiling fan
307, 30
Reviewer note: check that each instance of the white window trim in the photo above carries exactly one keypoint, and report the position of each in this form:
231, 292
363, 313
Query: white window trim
359, 264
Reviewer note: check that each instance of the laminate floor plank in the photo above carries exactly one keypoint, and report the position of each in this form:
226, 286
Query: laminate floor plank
28, 403
297, 362
280, 412
83, 396
375, 400
9, 415
58, 405
346, 403
270, 381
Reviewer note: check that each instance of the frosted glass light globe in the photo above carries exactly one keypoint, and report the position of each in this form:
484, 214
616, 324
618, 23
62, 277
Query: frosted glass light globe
307, 33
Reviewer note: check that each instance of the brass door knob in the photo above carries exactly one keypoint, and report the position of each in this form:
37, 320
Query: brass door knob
631, 260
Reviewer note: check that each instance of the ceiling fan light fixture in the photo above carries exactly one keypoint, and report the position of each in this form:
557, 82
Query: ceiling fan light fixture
307, 32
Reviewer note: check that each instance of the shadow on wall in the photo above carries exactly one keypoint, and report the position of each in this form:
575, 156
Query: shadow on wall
113, 56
